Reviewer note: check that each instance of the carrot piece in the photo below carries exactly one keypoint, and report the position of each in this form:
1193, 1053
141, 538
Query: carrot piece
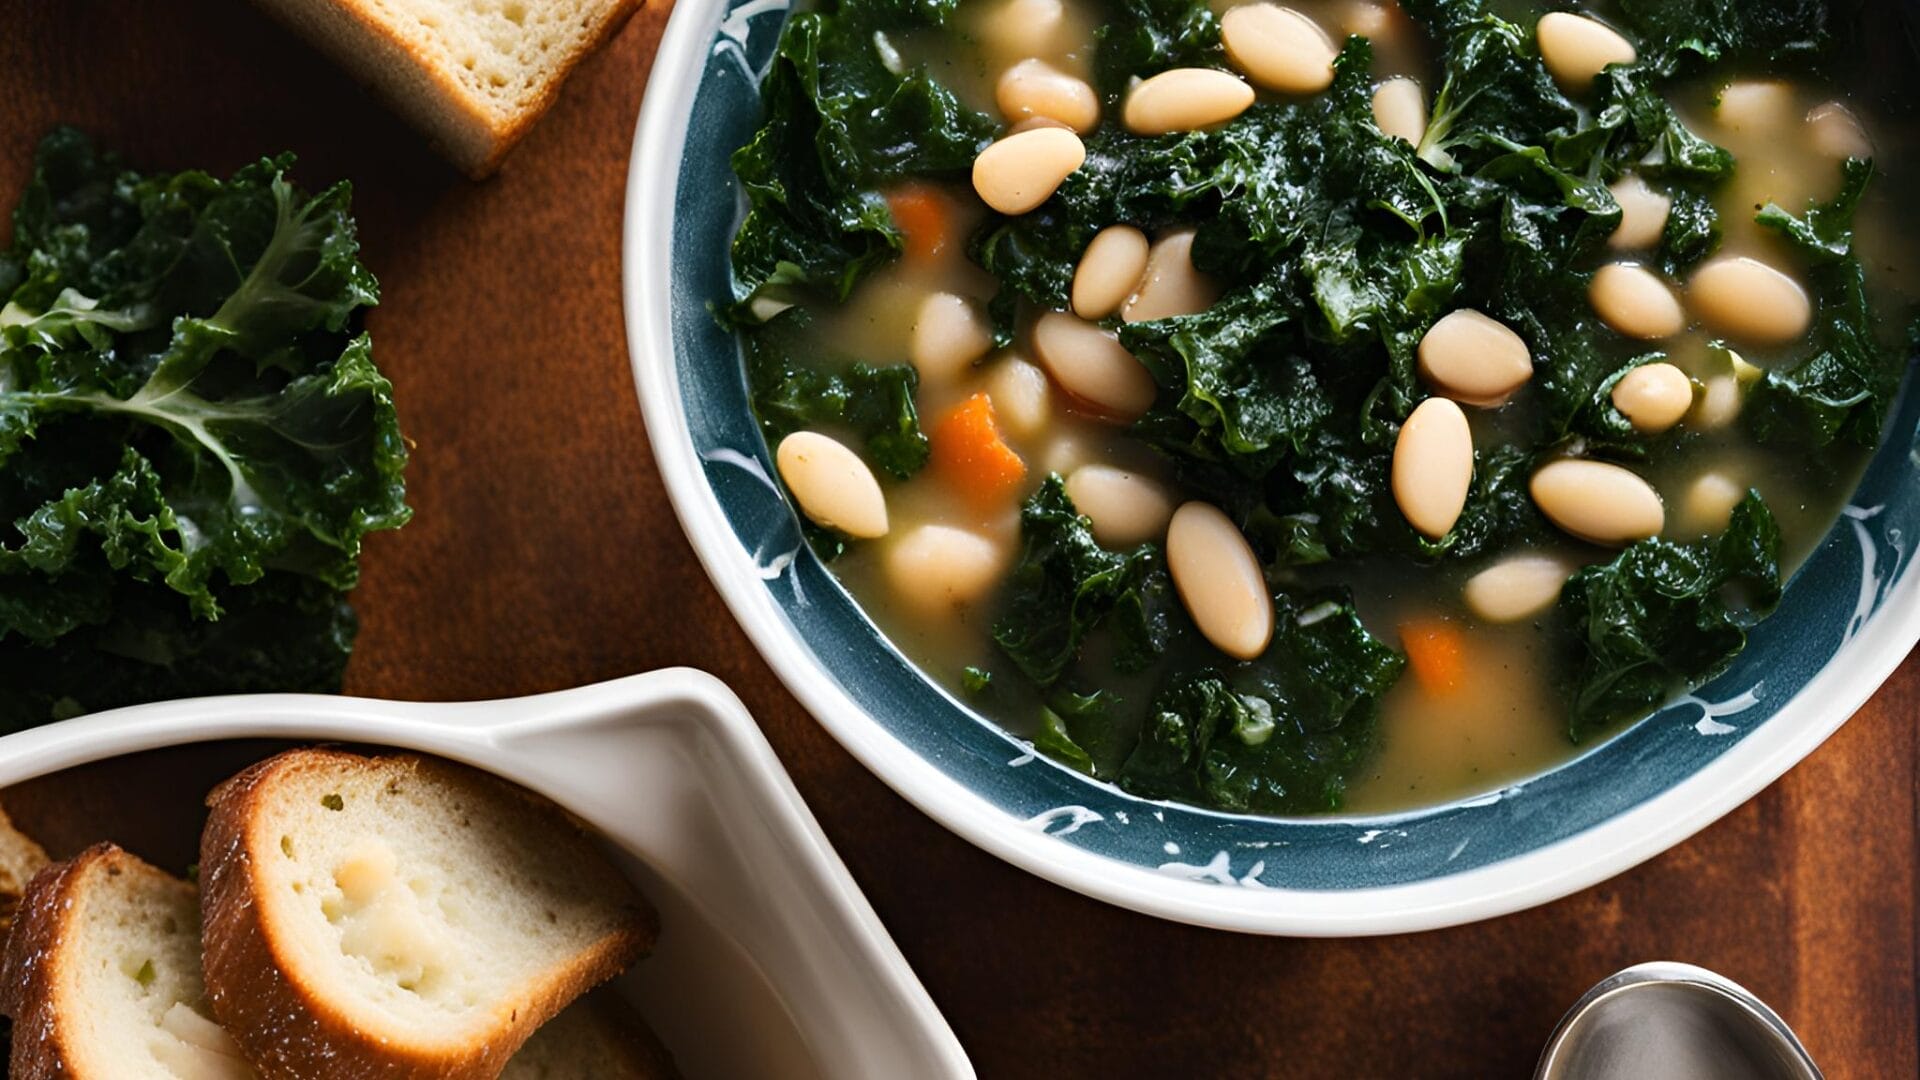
925, 219
970, 455
1437, 653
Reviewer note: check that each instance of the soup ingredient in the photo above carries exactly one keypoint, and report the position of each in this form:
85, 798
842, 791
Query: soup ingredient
924, 217
949, 336
1123, 508
1400, 108
1171, 285
1091, 364
1473, 359
1436, 654
1709, 502
1748, 300
1643, 214
1278, 48
876, 404
1577, 48
1517, 588
832, 485
405, 915
1279, 736
1219, 580
1597, 501
1034, 89
1066, 586
1433, 466
937, 568
1659, 616
1111, 267
1636, 302
1022, 397
972, 458
1022, 170
104, 969
194, 440
1762, 107
1833, 130
1185, 99
1653, 397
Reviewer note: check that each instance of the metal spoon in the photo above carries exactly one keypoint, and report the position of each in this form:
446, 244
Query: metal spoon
1667, 1021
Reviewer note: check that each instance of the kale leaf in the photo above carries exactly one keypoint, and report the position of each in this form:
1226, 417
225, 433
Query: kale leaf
1277, 736
875, 402
1066, 585
1662, 615
194, 440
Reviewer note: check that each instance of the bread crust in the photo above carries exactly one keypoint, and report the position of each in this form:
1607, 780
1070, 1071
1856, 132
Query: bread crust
401, 72
31, 970
289, 1029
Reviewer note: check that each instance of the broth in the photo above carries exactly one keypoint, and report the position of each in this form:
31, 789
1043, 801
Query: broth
1506, 722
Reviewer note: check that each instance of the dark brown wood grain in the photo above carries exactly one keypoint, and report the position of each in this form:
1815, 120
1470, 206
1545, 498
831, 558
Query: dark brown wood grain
544, 555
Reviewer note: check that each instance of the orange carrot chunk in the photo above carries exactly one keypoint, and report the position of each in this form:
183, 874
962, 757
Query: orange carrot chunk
1437, 653
925, 220
970, 455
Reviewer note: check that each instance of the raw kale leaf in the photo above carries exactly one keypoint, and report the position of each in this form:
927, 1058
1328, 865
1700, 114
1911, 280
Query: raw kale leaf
1844, 388
1066, 585
841, 122
1661, 615
875, 402
1279, 735
193, 439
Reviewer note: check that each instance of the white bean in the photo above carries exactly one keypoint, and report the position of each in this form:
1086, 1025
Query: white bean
1473, 359
1171, 286
1433, 466
1092, 366
1035, 88
1126, 508
949, 334
1719, 405
1643, 215
1709, 501
1653, 397
1400, 109
1636, 301
1747, 299
1279, 48
1184, 99
1518, 587
1219, 581
1023, 170
934, 569
1597, 501
834, 488
1576, 48
1109, 270
1368, 19
1756, 107
1025, 27
1835, 132
1022, 398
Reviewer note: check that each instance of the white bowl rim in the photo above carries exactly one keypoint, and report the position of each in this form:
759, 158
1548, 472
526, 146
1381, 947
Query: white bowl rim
1527, 880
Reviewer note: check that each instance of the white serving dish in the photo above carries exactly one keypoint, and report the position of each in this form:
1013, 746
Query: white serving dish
770, 961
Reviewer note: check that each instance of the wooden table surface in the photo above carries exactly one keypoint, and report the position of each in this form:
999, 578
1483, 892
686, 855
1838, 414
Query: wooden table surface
544, 555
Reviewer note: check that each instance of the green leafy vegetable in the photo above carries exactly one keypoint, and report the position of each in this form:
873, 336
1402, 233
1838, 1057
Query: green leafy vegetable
875, 403
1278, 736
193, 440
1663, 615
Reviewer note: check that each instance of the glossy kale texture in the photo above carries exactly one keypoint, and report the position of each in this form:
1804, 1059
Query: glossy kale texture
1280, 735
194, 439
1663, 615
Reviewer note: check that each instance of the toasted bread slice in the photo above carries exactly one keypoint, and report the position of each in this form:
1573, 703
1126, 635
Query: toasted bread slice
473, 74
20, 859
102, 977
400, 915
598, 1038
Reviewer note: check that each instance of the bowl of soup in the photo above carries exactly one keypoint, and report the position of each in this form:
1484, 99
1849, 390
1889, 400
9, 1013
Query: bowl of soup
1337, 467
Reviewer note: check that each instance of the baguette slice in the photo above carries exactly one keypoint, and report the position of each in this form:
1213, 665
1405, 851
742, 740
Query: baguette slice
598, 1038
472, 74
102, 977
400, 916
20, 859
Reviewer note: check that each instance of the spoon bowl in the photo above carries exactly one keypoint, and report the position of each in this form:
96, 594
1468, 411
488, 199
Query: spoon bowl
1668, 1021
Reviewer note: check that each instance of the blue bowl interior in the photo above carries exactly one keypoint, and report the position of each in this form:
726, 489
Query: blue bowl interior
1846, 580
